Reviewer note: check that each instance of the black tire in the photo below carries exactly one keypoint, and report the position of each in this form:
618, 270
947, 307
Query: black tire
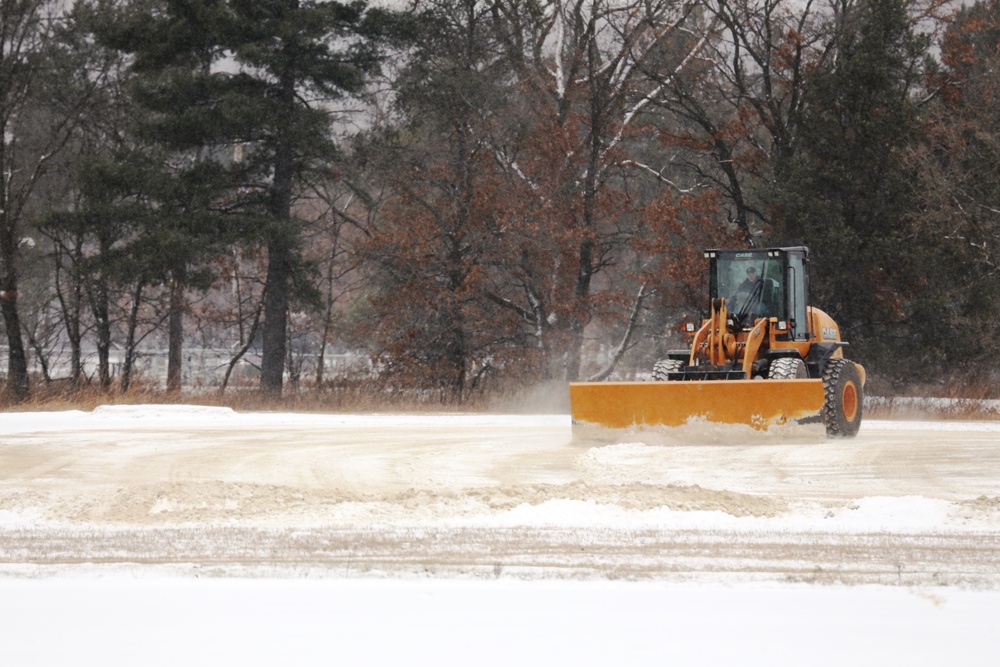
844, 401
664, 366
787, 368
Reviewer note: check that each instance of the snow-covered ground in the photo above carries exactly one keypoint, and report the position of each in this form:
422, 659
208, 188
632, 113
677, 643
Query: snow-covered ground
484, 623
182, 535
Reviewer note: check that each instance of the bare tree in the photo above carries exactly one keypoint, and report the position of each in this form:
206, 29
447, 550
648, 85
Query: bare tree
586, 67
44, 87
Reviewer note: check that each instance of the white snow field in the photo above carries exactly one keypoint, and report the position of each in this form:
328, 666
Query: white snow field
169, 535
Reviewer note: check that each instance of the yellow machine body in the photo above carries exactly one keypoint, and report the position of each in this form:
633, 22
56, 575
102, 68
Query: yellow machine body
739, 369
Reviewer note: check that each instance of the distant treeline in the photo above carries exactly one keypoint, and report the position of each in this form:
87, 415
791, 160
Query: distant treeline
479, 193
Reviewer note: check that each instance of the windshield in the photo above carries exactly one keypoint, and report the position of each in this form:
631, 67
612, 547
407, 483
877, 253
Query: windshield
752, 284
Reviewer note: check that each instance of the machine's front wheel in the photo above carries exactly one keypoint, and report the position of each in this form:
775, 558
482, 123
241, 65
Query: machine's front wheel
844, 398
664, 366
787, 368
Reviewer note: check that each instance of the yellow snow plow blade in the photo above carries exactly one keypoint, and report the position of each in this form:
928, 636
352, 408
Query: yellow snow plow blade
758, 403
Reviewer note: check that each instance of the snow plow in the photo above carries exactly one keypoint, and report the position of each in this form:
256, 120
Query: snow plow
763, 357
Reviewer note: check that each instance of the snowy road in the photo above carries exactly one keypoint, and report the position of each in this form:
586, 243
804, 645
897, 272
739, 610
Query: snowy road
209, 491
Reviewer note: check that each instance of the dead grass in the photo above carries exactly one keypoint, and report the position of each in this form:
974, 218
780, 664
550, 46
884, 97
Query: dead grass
949, 402
930, 408
949, 399
348, 396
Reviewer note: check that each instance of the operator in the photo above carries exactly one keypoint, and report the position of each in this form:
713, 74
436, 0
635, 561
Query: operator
749, 290
747, 286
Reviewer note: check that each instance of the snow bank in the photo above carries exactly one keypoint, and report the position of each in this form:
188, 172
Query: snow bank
184, 416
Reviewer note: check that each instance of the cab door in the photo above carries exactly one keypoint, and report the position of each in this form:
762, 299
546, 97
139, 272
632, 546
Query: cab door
798, 295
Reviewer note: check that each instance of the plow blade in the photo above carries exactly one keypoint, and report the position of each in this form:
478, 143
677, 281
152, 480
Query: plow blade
757, 403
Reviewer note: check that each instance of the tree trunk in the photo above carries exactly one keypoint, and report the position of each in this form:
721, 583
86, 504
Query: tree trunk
175, 335
279, 253
244, 346
585, 266
71, 304
626, 342
17, 360
324, 338
274, 333
328, 312
102, 318
128, 364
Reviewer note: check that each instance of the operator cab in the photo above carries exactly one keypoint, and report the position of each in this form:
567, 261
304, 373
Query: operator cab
771, 282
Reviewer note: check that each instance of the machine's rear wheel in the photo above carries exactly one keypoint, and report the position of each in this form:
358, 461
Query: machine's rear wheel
844, 398
787, 368
664, 366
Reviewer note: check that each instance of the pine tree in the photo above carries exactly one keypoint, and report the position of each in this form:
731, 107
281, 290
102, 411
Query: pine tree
226, 78
846, 190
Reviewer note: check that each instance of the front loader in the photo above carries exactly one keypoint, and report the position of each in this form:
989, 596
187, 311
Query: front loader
762, 357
